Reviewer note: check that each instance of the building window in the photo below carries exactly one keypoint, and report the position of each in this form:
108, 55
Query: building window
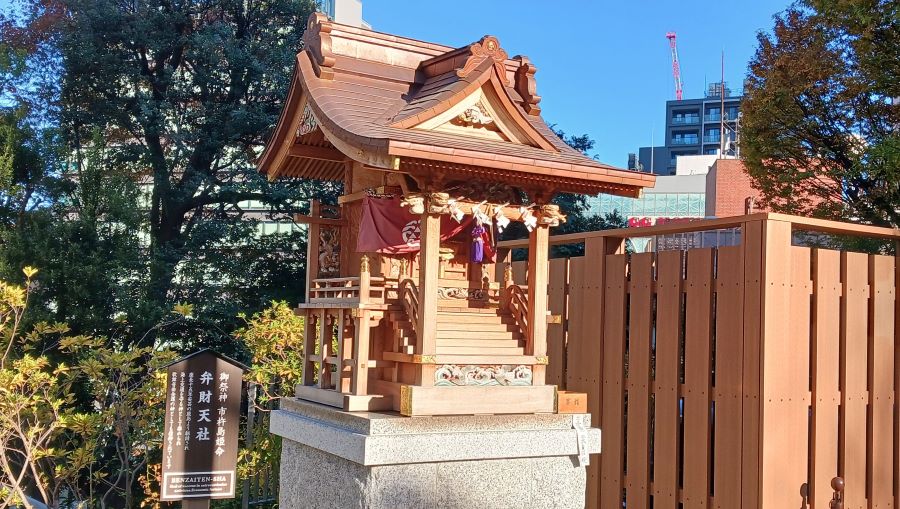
685, 118
685, 139
327, 6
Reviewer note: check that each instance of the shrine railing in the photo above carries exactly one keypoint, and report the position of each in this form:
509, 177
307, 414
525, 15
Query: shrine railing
348, 290
517, 301
409, 296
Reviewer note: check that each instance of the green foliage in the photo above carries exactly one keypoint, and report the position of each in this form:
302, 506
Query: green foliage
275, 339
579, 219
821, 112
80, 416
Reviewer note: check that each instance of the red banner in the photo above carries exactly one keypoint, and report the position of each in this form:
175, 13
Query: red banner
388, 228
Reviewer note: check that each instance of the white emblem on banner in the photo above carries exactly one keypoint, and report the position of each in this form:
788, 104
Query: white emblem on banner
412, 232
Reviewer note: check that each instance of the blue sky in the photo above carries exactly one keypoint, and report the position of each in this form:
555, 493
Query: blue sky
604, 67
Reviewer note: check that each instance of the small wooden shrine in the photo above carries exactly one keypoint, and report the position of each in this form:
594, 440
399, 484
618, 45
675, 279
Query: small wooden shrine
438, 149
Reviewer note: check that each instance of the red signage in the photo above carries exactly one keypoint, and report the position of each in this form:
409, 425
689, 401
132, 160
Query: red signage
641, 222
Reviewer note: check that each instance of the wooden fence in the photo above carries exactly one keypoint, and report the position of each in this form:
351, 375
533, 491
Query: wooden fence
731, 377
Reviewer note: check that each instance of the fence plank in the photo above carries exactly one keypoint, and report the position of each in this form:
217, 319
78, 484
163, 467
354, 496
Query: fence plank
668, 366
556, 303
520, 272
881, 390
585, 341
896, 373
638, 433
825, 367
785, 361
728, 377
752, 242
854, 368
697, 364
790, 354
612, 420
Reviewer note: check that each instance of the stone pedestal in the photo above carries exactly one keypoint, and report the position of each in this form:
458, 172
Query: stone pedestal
331, 458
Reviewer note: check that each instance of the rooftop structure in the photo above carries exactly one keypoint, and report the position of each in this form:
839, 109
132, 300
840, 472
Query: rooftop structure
694, 127
437, 149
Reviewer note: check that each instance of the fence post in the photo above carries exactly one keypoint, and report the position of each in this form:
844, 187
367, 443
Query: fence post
783, 373
586, 357
248, 439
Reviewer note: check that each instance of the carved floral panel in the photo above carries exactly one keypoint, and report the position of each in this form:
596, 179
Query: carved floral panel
453, 375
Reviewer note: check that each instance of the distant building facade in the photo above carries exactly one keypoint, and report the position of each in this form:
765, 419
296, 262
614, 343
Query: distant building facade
693, 127
701, 187
345, 12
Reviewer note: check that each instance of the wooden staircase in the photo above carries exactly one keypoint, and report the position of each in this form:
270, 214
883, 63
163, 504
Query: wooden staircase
463, 331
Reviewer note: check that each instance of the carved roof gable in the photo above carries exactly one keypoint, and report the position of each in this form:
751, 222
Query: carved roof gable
403, 105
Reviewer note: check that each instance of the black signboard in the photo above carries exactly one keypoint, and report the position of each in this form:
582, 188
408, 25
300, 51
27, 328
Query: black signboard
200, 441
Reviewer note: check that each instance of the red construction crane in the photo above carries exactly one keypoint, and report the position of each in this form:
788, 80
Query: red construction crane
676, 68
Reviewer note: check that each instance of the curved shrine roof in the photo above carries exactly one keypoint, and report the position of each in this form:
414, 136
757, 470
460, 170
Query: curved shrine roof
424, 109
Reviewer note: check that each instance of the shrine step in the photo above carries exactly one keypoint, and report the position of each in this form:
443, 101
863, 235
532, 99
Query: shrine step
470, 310
477, 350
480, 334
493, 326
481, 343
466, 316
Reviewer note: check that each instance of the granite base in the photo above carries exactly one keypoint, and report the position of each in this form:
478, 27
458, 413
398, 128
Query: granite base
336, 459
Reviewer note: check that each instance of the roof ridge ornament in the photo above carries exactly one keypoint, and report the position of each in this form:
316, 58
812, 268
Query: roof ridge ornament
487, 47
526, 85
317, 40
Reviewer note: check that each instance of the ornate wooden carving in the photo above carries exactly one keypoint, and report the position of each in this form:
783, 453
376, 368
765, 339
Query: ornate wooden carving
317, 40
487, 47
307, 123
476, 117
329, 251
550, 215
438, 203
453, 375
462, 293
526, 85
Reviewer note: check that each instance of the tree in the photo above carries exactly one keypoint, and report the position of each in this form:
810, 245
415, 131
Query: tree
821, 114
577, 208
185, 92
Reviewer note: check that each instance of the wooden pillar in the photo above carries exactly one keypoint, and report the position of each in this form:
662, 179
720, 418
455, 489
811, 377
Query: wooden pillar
538, 258
312, 246
429, 265
538, 268
309, 346
507, 282
360, 383
324, 349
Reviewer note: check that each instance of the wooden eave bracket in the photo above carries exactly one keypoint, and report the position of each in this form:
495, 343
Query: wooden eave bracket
318, 153
317, 42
